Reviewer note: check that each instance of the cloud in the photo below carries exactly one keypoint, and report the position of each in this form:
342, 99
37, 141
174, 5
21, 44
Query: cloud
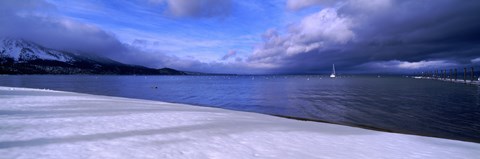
300, 4
38, 21
312, 33
197, 8
412, 65
397, 66
141, 42
326, 25
359, 5
353, 34
421, 64
230, 54
475, 60
238, 59
35, 21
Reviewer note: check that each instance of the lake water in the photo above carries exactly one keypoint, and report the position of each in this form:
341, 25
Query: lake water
425, 107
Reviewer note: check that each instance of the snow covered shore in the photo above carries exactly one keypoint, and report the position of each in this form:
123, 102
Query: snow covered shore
52, 124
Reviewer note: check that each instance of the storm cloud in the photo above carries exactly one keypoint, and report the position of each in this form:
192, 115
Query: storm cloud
197, 8
376, 36
37, 21
34, 21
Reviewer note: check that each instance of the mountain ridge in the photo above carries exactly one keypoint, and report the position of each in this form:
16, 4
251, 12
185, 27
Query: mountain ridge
18, 56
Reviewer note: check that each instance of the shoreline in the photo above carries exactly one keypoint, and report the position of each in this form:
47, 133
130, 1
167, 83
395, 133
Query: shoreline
276, 115
56, 124
282, 116
374, 128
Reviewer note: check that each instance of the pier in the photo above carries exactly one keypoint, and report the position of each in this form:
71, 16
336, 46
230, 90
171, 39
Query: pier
469, 77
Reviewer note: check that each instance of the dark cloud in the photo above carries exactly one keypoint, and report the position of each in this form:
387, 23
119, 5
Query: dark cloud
197, 8
230, 54
38, 22
140, 42
239, 59
300, 4
34, 21
385, 35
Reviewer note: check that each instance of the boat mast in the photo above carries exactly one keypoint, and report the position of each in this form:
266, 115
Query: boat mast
333, 68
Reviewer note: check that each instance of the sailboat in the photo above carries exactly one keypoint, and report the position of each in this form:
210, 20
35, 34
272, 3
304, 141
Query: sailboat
333, 73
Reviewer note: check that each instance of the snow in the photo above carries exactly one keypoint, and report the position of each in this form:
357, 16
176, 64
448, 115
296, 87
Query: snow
38, 123
13, 48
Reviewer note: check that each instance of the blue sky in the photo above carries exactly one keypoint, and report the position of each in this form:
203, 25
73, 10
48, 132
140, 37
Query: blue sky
256, 36
205, 38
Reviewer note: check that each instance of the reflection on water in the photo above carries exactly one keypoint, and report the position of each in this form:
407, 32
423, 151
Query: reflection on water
400, 104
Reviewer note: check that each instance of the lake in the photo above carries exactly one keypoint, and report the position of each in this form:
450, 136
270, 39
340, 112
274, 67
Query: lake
399, 104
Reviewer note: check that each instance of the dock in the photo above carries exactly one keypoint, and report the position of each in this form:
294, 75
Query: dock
452, 76
475, 82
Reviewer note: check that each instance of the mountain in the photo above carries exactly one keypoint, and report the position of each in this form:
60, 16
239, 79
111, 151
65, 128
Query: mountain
25, 57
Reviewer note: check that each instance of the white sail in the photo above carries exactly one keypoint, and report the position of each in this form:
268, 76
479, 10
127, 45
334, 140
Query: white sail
333, 73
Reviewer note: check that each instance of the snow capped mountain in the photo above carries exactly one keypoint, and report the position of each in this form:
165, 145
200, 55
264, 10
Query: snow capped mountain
21, 50
24, 57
